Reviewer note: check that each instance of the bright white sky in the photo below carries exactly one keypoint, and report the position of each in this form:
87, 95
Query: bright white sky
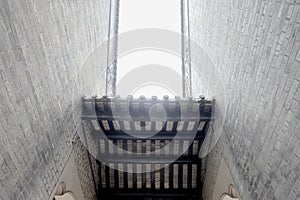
138, 14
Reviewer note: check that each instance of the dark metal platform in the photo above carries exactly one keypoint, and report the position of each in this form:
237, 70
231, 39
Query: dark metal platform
151, 146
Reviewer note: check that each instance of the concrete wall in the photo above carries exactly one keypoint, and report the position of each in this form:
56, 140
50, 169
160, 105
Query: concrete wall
45, 69
254, 47
87, 170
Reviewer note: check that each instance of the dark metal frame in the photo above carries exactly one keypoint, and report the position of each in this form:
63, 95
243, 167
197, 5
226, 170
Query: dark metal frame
99, 109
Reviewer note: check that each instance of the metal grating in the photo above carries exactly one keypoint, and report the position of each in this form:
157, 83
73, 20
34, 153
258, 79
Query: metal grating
138, 147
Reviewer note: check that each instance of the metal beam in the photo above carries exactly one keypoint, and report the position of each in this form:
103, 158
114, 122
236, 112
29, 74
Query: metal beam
186, 55
112, 49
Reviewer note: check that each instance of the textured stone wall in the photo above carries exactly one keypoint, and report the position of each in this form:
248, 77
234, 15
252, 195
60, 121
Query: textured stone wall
254, 46
46, 66
88, 175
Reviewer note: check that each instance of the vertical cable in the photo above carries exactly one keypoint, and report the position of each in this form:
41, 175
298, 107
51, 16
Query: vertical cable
189, 46
182, 48
112, 28
186, 57
108, 47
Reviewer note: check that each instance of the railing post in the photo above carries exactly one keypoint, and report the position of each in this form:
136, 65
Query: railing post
112, 48
186, 55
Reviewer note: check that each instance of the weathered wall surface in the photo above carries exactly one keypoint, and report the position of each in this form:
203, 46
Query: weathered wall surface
254, 45
45, 69
87, 170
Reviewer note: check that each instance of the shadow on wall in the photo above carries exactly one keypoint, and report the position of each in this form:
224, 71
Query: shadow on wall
209, 80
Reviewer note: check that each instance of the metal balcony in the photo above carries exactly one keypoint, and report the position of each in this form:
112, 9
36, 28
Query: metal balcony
151, 146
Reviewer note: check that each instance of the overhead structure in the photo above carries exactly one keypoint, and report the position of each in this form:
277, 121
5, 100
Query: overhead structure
148, 148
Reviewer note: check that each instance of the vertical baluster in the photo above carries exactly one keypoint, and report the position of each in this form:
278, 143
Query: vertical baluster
121, 175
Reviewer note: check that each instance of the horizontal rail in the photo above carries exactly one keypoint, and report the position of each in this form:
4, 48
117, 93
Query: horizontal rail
146, 136
143, 159
145, 118
149, 193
